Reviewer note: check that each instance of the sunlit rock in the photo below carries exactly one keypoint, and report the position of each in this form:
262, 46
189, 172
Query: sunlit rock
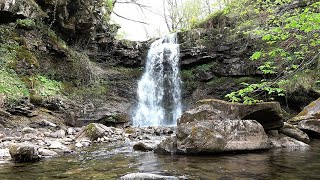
211, 136
24, 152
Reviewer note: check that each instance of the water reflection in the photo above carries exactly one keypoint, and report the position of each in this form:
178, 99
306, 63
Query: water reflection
111, 163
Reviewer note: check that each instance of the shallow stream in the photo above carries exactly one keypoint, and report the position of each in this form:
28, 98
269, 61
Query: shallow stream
114, 162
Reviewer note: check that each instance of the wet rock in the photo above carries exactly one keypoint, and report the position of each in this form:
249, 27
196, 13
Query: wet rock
93, 131
47, 152
24, 152
167, 146
311, 127
144, 146
268, 114
294, 132
283, 141
136, 176
211, 136
58, 134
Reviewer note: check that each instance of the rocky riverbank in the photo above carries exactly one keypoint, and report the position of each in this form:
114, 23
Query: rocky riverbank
46, 139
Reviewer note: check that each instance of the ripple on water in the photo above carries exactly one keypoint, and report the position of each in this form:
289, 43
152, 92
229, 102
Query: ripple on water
114, 162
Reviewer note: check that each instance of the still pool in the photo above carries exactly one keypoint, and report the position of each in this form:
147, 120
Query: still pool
114, 162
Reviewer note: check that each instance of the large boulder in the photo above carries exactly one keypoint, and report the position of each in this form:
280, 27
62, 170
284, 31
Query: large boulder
311, 127
210, 136
24, 152
312, 111
268, 114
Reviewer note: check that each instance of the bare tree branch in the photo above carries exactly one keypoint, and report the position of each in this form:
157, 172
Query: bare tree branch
130, 19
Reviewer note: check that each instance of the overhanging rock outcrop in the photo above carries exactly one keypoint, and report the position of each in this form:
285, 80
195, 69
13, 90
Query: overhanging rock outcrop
268, 114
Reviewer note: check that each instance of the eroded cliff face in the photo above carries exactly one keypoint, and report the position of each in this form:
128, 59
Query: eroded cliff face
62, 55
215, 62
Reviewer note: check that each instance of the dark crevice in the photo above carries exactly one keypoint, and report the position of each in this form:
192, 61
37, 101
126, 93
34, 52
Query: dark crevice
8, 17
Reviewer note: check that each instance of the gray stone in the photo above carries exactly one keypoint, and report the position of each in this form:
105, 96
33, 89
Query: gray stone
295, 133
283, 141
71, 131
167, 146
47, 152
93, 131
147, 176
24, 152
311, 127
212, 136
58, 134
144, 146
268, 114
27, 130
58, 145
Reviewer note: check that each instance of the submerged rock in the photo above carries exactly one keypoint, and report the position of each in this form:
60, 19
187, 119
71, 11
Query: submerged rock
211, 136
24, 152
268, 114
294, 132
147, 176
311, 127
144, 146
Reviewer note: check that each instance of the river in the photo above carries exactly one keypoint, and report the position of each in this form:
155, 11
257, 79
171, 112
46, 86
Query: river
116, 161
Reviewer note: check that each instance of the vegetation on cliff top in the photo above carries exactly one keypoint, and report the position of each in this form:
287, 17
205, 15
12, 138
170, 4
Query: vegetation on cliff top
289, 59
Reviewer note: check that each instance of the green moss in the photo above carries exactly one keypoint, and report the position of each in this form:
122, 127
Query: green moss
92, 131
219, 81
11, 86
26, 24
187, 75
56, 40
46, 87
84, 92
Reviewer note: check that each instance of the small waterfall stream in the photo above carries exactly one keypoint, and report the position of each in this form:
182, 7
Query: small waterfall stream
159, 90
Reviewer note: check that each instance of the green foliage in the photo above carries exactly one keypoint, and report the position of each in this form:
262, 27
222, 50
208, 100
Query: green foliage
26, 23
11, 85
46, 87
291, 46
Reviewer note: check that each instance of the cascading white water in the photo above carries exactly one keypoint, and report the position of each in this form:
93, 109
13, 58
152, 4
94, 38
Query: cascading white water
159, 90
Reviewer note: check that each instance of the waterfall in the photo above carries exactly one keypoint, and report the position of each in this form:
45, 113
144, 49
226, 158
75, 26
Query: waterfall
159, 90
